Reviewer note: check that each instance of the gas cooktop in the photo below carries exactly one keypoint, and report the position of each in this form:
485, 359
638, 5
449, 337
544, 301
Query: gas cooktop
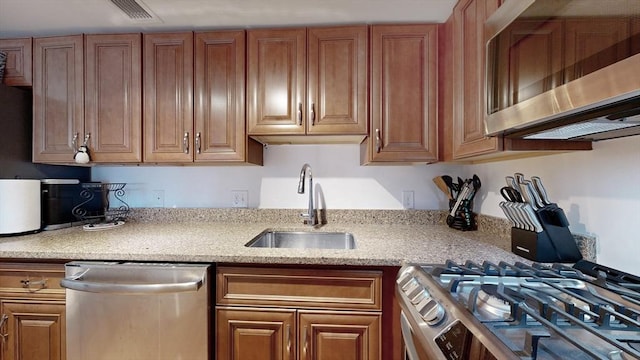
522, 311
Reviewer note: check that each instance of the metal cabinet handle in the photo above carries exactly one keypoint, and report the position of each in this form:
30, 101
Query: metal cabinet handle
304, 340
300, 114
288, 331
198, 143
74, 142
41, 284
313, 114
378, 142
97, 287
185, 143
3, 321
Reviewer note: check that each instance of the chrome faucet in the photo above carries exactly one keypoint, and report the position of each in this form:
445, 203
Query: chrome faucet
310, 216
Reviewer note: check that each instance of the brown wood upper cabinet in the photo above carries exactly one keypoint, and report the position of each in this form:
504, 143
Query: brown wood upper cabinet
403, 94
168, 97
462, 101
113, 97
17, 71
462, 52
58, 97
174, 131
87, 89
307, 81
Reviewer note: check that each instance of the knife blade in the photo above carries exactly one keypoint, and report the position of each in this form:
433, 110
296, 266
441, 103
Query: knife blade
537, 183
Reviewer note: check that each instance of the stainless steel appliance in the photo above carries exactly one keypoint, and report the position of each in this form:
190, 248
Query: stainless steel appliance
137, 311
564, 69
519, 311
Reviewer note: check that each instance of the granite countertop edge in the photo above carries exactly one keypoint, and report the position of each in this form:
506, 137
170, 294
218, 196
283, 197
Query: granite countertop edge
383, 238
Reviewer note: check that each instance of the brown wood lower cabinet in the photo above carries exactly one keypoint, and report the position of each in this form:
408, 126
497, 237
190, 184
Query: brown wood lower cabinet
32, 312
34, 329
254, 333
279, 334
303, 314
339, 335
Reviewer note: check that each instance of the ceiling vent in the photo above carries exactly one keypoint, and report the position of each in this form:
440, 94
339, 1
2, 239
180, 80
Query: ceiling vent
135, 10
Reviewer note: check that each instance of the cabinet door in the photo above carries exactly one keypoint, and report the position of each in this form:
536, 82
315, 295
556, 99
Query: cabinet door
219, 96
276, 81
468, 61
58, 98
403, 93
339, 335
34, 330
592, 45
17, 71
113, 97
248, 334
337, 80
168, 97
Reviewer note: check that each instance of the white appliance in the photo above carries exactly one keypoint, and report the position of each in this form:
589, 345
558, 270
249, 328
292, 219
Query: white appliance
19, 206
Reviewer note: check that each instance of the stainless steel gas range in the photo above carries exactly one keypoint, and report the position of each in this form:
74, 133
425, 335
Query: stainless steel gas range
519, 311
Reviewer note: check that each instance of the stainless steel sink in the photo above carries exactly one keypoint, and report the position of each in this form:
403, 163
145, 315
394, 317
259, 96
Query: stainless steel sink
303, 240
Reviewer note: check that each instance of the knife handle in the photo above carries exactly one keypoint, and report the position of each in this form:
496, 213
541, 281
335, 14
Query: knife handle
531, 216
535, 197
511, 182
537, 183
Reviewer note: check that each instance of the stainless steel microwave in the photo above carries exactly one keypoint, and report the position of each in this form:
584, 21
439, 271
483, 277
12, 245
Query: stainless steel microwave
563, 69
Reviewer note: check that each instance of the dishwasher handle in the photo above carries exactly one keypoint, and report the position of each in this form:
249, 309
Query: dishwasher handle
130, 289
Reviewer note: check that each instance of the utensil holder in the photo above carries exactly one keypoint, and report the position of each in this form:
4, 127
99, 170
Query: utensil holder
554, 244
465, 219
108, 213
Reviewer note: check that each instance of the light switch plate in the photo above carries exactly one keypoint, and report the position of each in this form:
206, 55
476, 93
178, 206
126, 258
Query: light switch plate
239, 198
407, 199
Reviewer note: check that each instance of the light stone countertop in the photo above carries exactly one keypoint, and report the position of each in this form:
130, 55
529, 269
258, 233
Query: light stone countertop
220, 236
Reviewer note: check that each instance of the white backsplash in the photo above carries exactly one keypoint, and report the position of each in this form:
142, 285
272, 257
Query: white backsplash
599, 190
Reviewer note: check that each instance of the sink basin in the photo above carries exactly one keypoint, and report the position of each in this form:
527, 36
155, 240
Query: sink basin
303, 240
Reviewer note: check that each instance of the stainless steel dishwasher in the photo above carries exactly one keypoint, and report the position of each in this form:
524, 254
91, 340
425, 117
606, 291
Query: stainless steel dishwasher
137, 311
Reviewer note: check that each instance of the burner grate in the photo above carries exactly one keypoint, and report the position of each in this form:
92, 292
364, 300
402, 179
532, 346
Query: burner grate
547, 304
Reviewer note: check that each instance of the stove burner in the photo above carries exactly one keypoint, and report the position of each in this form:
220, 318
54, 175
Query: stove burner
489, 301
542, 312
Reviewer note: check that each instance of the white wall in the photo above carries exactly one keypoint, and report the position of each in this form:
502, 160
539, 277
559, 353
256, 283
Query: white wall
599, 190
336, 170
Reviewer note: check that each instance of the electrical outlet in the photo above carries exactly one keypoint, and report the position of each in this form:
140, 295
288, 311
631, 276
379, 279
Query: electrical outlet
407, 199
239, 198
157, 198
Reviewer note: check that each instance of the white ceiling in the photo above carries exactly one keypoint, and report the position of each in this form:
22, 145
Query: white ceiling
63, 17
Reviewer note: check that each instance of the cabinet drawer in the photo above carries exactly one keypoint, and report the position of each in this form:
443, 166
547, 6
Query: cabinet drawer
310, 288
32, 279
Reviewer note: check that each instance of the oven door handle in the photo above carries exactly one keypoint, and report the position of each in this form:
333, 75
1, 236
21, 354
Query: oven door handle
410, 347
115, 288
